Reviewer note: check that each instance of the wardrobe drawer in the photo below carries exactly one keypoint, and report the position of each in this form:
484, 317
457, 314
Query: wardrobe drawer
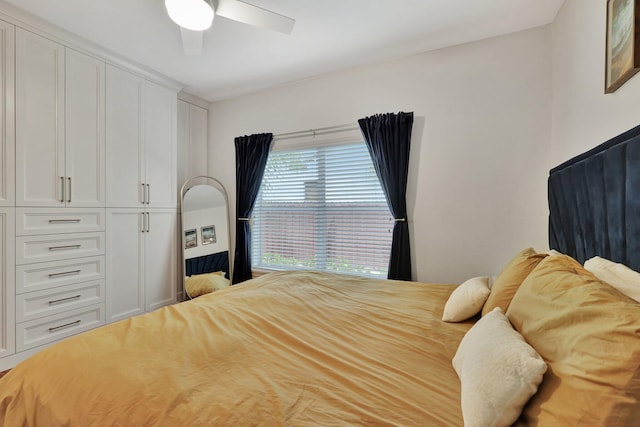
34, 305
30, 249
52, 328
47, 275
30, 221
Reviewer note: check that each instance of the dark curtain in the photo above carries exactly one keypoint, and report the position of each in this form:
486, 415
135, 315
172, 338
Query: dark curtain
388, 137
251, 158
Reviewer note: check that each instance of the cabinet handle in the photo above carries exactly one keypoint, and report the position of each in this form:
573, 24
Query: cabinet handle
66, 325
148, 221
143, 222
69, 195
60, 248
63, 221
143, 195
66, 273
61, 300
62, 189
148, 194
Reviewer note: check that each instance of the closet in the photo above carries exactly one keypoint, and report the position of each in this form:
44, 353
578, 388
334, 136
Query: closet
193, 126
88, 189
141, 187
60, 191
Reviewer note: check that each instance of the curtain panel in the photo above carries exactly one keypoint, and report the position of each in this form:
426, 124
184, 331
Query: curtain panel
251, 159
388, 138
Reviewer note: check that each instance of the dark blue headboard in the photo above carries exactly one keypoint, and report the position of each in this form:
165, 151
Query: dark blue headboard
207, 264
594, 202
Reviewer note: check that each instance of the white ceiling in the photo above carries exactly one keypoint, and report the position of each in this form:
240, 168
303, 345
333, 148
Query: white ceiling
328, 35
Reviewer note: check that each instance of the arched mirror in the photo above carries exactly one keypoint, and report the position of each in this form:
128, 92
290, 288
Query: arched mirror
205, 236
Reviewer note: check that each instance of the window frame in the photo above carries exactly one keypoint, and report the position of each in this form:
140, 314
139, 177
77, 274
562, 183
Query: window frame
324, 140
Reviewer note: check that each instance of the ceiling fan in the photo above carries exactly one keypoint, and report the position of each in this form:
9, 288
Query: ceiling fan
195, 16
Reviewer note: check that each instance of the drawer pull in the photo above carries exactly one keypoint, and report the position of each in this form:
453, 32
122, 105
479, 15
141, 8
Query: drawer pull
61, 300
61, 248
63, 221
62, 189
66, 325
65, 273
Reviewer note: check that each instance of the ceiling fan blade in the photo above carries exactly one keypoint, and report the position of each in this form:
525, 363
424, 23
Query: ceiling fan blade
191, 41
254, 15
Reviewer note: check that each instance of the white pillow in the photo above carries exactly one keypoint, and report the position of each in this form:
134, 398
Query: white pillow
553, 252
498, 371
617, 275
466, 300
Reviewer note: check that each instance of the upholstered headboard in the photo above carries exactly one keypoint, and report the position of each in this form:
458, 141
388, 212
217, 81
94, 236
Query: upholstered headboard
594, 202
208, 263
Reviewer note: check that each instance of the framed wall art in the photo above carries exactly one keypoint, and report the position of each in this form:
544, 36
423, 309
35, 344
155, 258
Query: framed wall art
208, 234
190, 238
622, 59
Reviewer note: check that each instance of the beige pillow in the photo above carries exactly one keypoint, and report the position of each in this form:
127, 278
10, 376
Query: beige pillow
509, 280
617, 275
498, 372
589, 335
200, 284
466, 300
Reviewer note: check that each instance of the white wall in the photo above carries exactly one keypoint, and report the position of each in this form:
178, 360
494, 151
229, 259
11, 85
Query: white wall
583, 116
480, 147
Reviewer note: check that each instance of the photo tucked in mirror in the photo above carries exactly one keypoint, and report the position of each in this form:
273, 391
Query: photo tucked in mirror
205, 234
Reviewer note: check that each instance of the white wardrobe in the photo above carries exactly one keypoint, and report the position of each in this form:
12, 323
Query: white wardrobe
141, 195
88, 215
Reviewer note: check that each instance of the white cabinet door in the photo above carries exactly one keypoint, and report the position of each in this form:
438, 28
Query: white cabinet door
125, 164
141, 142
192, 141
7, 283
183, 157
125, 263
85, 134
40, 171
198, 131
7, 110
161, 258
142, 257
160, 145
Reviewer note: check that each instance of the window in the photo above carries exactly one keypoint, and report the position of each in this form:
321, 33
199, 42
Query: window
322, 208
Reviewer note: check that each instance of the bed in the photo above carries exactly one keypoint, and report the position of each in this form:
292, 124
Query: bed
297, 348
206, 274
554, 341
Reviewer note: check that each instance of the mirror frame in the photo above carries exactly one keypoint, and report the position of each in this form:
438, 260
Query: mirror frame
192, 182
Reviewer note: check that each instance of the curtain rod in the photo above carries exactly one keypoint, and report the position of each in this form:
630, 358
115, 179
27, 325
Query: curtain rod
319, 131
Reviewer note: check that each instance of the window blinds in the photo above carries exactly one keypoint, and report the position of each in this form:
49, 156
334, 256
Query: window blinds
322, 208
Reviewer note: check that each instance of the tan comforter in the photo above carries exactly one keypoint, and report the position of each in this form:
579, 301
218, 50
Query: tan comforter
297, 348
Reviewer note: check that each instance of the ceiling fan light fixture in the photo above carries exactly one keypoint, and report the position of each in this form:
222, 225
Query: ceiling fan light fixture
194, 15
